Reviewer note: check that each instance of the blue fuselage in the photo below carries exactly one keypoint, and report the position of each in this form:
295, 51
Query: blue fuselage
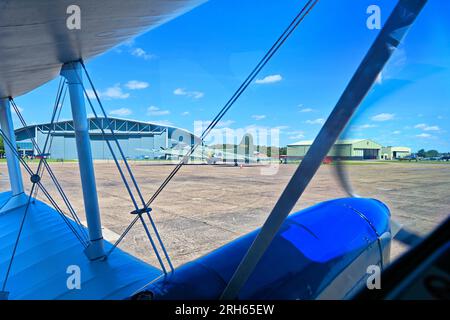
322, 252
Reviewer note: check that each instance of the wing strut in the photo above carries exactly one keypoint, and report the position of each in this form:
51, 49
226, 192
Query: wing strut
381, 50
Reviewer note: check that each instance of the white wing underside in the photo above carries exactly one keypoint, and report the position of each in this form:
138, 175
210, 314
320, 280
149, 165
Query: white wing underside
35, 40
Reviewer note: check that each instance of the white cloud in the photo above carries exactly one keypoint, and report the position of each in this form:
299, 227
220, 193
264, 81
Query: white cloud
383, 117
155, 111
316, 121
179, 92
163, 122
269, 79
191, 94
186, 113
397, 132
114, 92
220, 124
136, 85
296, 135
141, 53
91, 94
129, 42
423, 135
14, 110
304, 110
420, 126
364, 126
225, 123
121, 112
426, 127
258, 117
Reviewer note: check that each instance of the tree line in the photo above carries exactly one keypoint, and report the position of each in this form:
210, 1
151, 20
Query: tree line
430, 153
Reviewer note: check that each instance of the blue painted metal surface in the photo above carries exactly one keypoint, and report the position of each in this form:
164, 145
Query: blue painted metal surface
312, 249
6, 123
72, 72
47, 247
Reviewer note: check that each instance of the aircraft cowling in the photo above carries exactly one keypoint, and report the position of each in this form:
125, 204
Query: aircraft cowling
321, 252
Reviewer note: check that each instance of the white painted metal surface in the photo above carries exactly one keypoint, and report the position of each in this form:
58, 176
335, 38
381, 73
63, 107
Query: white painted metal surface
35, 40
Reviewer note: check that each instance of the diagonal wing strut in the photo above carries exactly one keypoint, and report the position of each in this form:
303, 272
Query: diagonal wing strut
399, 22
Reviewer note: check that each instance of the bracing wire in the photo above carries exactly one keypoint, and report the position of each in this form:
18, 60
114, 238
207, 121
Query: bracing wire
51, 139
256, 70
280, 41
44, 190
16, 243
44, 162
138, 211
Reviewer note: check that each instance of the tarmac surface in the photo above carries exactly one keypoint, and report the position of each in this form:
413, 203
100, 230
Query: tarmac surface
205, 206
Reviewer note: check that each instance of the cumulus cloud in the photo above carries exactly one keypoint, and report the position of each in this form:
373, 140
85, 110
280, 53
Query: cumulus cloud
163, 122
316, 121
141, 53
423, 135
91, 93
136, 85
115, 92
364, 126
296, 135
191, 94
258, 117
225, 123
155, 111
304, 110
426, 127
14, 110
269, 79
220, 124
121, 112
420, 126
383, 117
185, 113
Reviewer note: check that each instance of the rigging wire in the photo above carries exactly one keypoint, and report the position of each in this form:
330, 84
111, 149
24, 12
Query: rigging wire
362, 80
51, 141
138, 211
44, 190
269, 54
280, 41
13, 254
43, 152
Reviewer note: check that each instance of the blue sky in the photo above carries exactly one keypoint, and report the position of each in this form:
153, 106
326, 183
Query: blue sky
186, 69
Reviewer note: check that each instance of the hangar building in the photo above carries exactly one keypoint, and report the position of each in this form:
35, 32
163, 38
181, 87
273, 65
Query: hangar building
357, 149
139, 140
391, 153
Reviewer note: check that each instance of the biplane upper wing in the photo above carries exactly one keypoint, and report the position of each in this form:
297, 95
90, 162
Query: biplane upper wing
35, 39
